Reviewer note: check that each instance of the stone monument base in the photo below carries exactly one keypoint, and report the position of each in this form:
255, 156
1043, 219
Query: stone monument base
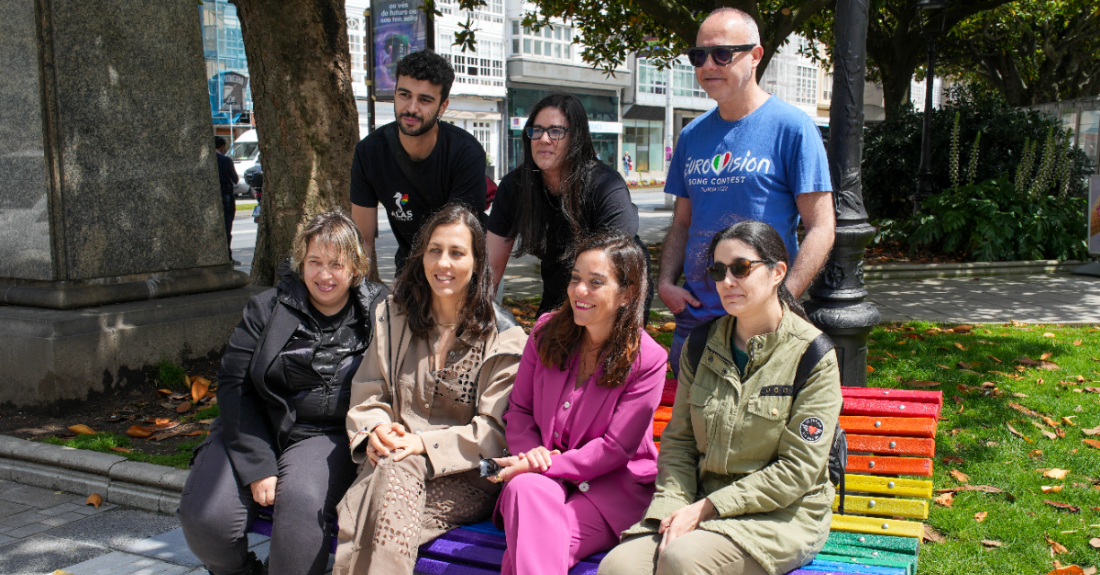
48, 355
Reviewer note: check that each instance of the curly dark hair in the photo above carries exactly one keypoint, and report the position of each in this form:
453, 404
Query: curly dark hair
767, 244
531, 225
427, 65
413, 294
560, 336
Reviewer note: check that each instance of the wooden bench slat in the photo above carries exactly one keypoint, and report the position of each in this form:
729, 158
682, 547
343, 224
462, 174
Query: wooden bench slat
885, 445
884, 506
805, 571
658, 429
877, 526
893, 544
663, 413
907, 567
426, 566
899, 426
854, 568
896, 486
914, 395
884, 465
890, 408
865, 552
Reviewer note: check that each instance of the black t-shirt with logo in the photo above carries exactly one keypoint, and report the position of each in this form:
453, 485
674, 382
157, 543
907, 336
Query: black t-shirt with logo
455, 170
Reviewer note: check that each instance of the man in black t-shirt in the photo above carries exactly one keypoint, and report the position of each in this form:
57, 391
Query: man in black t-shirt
416, 165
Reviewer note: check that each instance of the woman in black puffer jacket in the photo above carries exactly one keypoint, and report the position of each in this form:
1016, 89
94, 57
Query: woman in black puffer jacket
284, 392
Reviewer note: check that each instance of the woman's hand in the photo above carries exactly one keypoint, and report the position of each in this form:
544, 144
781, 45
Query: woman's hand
263, 490
383, 439
538, 459
409, 444
685, 520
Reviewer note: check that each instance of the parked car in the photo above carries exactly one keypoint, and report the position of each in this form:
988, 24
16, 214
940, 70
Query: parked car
255, 178
245, 153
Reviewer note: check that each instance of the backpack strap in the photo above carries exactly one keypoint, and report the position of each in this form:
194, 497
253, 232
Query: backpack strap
697, 343
810, 358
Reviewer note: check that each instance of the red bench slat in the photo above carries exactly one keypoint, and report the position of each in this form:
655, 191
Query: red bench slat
884, 445
890, 408
913, 395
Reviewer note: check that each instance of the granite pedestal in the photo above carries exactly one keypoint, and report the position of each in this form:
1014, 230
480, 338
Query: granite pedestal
108, 194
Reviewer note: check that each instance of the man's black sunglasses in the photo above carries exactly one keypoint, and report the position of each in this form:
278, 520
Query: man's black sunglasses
556, 132
721, 55
740, 268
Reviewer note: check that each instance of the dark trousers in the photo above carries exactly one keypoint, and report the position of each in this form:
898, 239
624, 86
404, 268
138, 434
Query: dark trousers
216, 510
229, 206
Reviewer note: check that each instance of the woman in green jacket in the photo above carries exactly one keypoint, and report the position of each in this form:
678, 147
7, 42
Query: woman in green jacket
743, 484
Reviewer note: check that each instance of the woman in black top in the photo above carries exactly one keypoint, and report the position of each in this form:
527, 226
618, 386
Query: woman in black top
558, 193
284, 390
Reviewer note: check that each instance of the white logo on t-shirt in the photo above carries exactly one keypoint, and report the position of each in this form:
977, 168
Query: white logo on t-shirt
401, 214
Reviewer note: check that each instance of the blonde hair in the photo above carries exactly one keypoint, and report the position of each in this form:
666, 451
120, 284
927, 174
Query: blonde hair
338, 232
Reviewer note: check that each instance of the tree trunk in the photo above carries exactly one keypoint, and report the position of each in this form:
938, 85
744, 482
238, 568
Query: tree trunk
305, 115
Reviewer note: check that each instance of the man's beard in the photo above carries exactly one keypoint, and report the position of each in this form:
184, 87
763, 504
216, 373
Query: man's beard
424, 128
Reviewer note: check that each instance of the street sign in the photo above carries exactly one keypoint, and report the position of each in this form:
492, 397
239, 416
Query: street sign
232, 90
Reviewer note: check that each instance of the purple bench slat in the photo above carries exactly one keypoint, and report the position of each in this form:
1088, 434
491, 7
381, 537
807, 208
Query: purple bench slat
425, 566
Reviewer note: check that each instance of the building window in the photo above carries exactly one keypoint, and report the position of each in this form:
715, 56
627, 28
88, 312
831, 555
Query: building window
554, 41
807, 85
827, 89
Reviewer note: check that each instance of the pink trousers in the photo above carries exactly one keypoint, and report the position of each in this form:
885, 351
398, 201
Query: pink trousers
549, 526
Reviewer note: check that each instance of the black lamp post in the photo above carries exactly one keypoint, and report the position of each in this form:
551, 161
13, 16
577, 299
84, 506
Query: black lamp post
838, 303
931, 26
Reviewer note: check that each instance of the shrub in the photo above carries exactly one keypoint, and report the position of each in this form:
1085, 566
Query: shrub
891, 149
991, 221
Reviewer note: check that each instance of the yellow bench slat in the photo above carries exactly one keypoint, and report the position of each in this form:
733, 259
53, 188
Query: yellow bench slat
884, 506
888, 486
876, 526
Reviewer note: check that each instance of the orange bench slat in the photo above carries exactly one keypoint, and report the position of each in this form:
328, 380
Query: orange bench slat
664, 413
900, 426
883, 445
913, 395
875, 465
659, 428
890, 408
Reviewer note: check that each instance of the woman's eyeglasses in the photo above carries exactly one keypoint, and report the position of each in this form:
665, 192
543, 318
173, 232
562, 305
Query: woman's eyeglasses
722, 55
740, 268
555, 132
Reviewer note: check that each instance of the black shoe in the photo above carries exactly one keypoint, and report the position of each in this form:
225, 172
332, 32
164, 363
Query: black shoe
237, 263
255, 566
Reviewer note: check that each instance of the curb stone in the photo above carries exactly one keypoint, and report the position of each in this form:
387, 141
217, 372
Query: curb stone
118, 480
967, 269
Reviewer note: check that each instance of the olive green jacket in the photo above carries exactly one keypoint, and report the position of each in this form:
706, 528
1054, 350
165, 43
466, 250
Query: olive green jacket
740, 442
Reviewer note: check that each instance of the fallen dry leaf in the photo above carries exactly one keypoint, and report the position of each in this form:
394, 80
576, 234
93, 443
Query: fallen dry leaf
1061, 433
953, 458
1056, 548
670, 326
81, 429
1077, 342
1063, 506
991, 543
945, 499
193, 433
960, 476
94, 499
1055, 473
1047, 355
918, 383
1048, 334
1018, 434
1026, 361
962, 328
1068, 420
1051, 488
183, 407
138, 431
982, 488
933, 536
200, 387
942, 366
1023, 409
960, 346
1035, 453
1048, 434
1049, 366
1093, 431
1070, 570
121, 449
870, 369
980, 516
164, 435
1092, 443
1051, 422
1095, 542
964, 365
164, 392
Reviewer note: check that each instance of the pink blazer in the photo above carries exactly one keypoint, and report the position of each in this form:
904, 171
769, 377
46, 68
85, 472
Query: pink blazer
614, 451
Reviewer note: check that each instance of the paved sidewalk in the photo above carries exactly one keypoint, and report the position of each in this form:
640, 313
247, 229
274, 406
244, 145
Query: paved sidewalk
42, 531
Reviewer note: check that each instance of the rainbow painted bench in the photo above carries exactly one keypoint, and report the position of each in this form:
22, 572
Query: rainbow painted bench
891, 443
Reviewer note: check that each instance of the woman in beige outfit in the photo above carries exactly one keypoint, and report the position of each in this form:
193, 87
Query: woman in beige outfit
428, 401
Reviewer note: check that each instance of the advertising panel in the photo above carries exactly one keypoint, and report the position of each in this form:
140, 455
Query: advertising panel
400, 27
1094, 215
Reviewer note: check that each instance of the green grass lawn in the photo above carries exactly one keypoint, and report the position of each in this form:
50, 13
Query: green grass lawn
974, 438
104, 441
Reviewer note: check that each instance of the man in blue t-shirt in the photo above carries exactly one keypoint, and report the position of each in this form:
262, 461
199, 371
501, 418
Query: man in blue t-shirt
752, 157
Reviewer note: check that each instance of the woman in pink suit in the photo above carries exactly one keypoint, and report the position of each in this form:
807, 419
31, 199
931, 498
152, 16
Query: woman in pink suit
580, 421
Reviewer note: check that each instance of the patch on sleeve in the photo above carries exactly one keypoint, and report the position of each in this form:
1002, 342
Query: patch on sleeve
811, 429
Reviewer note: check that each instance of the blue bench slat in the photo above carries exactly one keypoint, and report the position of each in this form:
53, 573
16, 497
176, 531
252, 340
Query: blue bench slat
854, 568
461, 552
815, 572
426, 566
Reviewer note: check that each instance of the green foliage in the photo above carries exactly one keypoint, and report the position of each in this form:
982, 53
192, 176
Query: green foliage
973, 429
972, 171
104, 441
171, 375
205, 413
955, 176
990, 221
891, 150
